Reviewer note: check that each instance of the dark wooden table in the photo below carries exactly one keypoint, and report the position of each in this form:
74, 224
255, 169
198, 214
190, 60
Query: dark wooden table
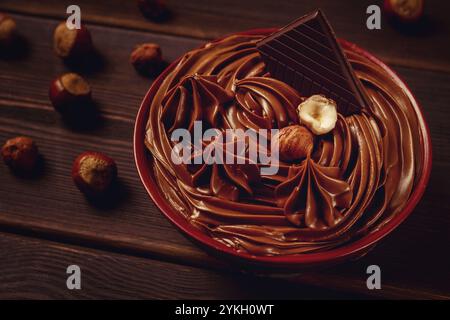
129, 249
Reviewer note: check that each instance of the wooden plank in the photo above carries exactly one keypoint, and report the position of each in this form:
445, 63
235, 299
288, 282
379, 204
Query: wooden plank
136, 226
415, 47
36, 269
118, 89
51, 207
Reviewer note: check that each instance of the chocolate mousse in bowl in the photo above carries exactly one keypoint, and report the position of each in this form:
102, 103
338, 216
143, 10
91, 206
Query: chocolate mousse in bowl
353, 148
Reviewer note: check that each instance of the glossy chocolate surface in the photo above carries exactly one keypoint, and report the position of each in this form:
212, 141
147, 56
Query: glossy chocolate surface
358, 177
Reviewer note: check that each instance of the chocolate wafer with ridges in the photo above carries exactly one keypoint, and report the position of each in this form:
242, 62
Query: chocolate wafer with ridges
306, 55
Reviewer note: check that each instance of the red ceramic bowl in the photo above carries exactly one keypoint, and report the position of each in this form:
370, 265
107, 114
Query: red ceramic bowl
351, 250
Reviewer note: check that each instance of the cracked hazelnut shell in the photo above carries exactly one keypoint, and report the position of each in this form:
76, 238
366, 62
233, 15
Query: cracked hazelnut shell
72, 44
69, 91
20, 154
93, 173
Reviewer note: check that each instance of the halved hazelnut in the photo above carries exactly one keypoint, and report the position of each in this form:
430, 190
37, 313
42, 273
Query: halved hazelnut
7, 29
93, 173
295, 142
72, 44
69, 91
318, 113
404, 11
147, 59
20, 154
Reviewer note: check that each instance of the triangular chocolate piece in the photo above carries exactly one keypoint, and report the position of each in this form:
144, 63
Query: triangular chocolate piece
306, 55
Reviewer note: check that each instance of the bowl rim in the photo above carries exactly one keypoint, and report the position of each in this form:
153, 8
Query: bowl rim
351, 249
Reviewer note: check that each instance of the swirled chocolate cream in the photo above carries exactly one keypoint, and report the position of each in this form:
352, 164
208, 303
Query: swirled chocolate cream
346, 139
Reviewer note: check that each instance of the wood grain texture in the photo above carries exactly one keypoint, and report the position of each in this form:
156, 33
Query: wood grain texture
424, 47
36, 269
118, 88
49, 206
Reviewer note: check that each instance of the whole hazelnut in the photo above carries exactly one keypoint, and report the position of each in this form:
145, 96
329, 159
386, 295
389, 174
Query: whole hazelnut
93, 173
147, 59
20, 154
69, 92
404, 11
7, 29
154, 10
72, 44
295, 142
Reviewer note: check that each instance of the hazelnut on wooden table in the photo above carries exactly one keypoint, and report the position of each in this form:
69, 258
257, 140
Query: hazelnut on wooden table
295, 142
20, 154
147, 59
72, 44
93, 173
7, 29
154, 10
69, 92
404, 11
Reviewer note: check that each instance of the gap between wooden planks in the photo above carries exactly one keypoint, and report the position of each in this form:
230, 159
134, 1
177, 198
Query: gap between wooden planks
36, 269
